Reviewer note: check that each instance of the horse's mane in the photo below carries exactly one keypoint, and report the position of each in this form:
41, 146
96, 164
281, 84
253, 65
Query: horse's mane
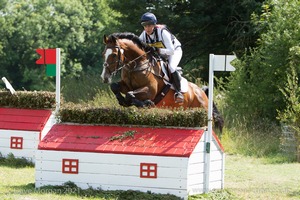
131, 36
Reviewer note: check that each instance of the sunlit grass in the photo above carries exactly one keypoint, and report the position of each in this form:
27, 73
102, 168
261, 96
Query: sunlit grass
253, 178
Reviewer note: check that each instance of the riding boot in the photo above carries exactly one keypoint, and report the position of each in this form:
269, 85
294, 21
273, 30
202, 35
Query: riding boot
179, 98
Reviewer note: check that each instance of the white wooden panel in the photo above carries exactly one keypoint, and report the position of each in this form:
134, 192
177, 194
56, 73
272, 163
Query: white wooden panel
113, 169
197, 157
27, 144
16, 133
216, 165
215, 185
214, 146
29, 141
196, 189
199, 167
196, 179
51, 121
223, 171
215, 176
108, 158
18, 153
196, 168
199, 188
216, 155
4, 143
182, 193
200, 147
111, 179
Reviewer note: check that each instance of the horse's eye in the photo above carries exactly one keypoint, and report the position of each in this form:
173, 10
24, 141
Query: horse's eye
113, 56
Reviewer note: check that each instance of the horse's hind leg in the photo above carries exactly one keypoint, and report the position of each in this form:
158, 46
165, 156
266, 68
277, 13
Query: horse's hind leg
115, 88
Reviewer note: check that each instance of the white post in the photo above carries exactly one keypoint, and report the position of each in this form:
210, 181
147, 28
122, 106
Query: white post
57, 97
8, 85
208, 137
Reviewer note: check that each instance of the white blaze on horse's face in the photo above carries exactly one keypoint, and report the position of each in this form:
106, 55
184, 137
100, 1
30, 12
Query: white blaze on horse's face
106, 76
107, 53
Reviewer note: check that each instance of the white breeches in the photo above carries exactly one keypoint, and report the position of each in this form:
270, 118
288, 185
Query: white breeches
175, 59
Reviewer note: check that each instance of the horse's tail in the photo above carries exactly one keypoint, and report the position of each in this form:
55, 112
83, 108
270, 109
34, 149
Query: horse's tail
218, 119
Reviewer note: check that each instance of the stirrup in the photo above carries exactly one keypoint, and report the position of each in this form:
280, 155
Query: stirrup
179, 98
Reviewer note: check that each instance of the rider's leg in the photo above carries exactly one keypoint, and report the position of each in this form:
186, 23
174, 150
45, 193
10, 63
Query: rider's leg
173, 63
179, 98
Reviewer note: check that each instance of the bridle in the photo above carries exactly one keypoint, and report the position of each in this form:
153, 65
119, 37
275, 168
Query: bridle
120, 62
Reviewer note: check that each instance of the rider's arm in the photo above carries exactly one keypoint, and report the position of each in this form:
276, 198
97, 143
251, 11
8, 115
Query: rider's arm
167, 40
142, 36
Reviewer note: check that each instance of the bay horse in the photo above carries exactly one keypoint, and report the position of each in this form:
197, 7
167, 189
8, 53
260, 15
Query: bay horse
142, 78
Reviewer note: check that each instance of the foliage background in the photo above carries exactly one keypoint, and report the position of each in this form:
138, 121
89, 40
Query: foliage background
78, 26
264, 34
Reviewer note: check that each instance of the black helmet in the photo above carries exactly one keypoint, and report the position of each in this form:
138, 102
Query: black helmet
148, 18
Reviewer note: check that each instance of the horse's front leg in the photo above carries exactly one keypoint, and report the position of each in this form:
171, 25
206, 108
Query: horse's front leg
135, 96
116, 89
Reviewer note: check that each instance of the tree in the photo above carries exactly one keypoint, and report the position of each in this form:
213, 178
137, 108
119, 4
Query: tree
255, 89
203, 27
74, 26
77, 27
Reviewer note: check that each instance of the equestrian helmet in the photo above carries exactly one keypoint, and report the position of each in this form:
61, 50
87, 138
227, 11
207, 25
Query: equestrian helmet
148, 18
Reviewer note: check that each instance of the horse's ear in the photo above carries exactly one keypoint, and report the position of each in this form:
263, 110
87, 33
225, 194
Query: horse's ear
114, 39
105, 38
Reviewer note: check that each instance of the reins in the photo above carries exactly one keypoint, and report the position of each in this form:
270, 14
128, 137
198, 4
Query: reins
127, 65
136, 67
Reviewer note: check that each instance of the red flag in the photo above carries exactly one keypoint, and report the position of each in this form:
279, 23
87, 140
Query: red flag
48, 56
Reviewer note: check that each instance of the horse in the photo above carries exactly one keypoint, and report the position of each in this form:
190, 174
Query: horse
143, 80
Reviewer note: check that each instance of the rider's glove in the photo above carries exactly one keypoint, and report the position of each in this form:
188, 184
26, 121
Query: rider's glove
154, 50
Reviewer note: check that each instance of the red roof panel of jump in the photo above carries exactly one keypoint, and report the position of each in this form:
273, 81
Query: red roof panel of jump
23, 119
122, 140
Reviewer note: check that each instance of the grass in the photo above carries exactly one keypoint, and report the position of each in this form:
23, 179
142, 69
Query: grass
245, 178
256, 178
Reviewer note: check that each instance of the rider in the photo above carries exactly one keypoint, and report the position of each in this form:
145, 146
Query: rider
167, 46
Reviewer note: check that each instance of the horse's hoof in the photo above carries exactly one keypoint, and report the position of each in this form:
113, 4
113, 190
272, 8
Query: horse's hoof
149, 103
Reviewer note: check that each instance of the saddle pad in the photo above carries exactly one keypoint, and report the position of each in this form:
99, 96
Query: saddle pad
183, 81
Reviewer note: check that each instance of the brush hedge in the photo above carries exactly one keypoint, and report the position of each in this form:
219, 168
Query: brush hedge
27, 99
87, 114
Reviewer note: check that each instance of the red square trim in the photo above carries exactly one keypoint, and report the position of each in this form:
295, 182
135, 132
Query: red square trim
148, 170
16, 142
70, 166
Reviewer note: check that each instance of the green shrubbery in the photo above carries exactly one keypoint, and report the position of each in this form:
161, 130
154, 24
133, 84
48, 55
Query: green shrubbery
11, 161
87, 114
265, 81
27, 99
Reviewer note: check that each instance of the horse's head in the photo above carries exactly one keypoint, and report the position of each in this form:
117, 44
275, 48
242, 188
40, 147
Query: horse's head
113, 58
122, 50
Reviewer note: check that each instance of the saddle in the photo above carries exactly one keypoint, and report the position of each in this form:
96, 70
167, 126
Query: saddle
166, 75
